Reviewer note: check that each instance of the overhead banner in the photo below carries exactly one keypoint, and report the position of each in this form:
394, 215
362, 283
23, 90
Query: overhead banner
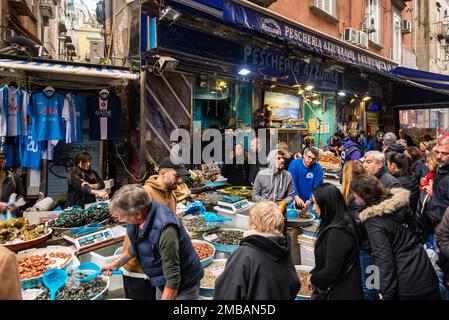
254, 20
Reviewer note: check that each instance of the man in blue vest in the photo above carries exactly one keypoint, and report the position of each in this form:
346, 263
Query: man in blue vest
159, 242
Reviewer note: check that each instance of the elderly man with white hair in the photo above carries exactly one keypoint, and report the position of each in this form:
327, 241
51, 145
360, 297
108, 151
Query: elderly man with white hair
374, 164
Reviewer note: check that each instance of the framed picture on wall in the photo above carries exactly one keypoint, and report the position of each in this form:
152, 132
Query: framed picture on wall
283, 106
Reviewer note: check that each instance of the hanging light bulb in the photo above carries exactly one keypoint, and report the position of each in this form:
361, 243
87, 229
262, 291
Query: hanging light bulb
300, 91
316, 101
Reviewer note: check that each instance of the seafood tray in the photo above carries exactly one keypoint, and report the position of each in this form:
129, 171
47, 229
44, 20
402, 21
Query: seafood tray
205, 251
211, 273
78, 217
73, 290
209, 198
304, 219
19, 234
224, 240
302, 272
196, 224
19, 244
59, 257
238, 191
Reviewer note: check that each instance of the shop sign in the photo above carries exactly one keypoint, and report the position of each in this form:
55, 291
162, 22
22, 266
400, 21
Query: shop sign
251, 19
285, 68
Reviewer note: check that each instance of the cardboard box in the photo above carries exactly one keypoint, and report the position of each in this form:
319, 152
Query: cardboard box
35, 217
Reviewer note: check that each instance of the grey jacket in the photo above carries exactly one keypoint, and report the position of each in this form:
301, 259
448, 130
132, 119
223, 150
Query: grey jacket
273, 185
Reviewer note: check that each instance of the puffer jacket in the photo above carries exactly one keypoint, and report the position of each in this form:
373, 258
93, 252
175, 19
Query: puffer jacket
411, 185
442, 240
419, 169
440, 198
387, 179
405, 269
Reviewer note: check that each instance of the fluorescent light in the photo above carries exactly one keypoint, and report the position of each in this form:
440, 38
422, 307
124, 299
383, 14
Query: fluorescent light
366, 98
213, 92
296, 86
342, 94
309, 87
316, 102
244, 72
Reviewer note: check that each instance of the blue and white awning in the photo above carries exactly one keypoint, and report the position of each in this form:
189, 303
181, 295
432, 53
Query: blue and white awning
69, 69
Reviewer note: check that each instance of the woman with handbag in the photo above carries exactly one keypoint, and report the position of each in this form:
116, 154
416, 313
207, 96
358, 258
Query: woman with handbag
336, 275
405, 271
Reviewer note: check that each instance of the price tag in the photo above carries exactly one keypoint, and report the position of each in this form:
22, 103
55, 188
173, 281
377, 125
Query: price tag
31, 294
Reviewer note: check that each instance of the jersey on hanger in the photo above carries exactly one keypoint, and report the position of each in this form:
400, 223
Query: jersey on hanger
18, 101
30, 151
46, 112
73, 113
3, 111
104, 117
49, 149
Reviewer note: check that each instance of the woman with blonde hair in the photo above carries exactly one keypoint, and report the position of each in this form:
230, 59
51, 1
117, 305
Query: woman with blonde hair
261, 268
351, 169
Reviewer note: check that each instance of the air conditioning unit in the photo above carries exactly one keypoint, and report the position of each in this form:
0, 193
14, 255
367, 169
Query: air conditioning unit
351, 35
368, 24
406, 26
363, 39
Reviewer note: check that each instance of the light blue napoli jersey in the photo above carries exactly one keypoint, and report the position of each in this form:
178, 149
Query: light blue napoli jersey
46, 113
73, 113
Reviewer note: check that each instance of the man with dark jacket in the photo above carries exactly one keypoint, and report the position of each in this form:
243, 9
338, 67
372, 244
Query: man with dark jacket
159, 242
390, 144
374, 164
261, 268
440, 199
406, 137
256, 159
442, 240
352, 149
10, 183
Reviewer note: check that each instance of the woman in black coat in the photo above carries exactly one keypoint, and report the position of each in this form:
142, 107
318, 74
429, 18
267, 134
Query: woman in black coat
261, 268
399, 166
337, 262
405, 270
237, 173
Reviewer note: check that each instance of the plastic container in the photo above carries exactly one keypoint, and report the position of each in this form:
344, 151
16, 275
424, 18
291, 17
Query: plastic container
104, 256
210, 259
221, 247
305, 269
104, 292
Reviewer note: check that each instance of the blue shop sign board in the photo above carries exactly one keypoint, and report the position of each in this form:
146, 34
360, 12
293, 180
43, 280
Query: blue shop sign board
254, 20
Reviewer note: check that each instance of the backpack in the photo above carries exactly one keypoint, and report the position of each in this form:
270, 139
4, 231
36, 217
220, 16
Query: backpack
347, 152
423, 222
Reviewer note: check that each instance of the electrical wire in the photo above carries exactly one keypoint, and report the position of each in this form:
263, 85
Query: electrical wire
140, 179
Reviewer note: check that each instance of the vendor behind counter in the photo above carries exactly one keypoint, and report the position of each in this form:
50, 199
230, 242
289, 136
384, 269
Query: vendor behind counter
84, 184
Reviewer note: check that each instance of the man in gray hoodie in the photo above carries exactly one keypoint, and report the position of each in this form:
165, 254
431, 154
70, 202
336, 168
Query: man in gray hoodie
274, 183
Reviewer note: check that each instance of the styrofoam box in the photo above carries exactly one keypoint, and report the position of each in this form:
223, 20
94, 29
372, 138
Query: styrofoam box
103, 256
307, 252
36, 217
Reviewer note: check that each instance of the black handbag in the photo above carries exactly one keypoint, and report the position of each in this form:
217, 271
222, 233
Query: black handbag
324, 294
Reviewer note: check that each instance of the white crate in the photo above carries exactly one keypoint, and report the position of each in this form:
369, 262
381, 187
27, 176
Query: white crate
36, 217
103, 256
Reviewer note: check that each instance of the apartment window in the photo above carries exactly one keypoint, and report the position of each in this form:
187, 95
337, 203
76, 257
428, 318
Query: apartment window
374, 15
328, 6
397, 35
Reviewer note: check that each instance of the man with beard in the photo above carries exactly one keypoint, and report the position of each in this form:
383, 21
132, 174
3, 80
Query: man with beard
161, 188
255, 164
274, 183
307, 174
9, 183
440, 199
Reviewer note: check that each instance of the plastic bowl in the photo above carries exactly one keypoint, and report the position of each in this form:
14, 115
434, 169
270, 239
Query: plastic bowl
306, 269
210, 259
221, 247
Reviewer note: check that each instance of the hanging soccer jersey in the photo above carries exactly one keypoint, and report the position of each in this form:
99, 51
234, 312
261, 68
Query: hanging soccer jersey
104, 117
46, 112
18, 101
30, 151
73, 113
11, 148
48, 151
3, 111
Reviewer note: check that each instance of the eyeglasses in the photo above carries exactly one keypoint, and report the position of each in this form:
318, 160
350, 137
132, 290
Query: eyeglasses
313, 158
